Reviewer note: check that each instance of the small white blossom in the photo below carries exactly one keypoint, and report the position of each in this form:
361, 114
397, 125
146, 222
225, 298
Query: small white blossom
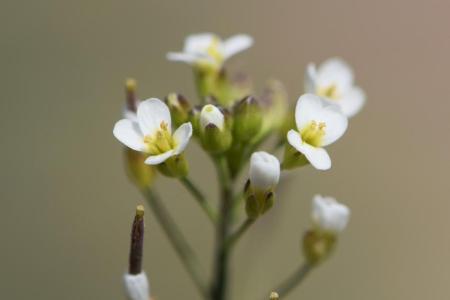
152, 132
333, 80
318, 124
210, 114
264, 170
329, 215
137, 287
208, 49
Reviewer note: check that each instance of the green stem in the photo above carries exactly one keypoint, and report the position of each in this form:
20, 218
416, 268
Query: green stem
294, 280
198, 195
239, 232
219, 287
178, 241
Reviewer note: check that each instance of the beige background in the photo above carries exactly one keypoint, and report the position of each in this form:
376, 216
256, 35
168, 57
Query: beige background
66, 205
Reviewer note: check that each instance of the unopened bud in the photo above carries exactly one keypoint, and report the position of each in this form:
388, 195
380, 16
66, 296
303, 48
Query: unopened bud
179, 108
141, 174
263, 177
215, 134
274, 102
247, 116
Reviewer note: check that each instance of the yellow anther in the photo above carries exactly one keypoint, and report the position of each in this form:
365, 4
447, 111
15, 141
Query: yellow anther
313, 133
322, 125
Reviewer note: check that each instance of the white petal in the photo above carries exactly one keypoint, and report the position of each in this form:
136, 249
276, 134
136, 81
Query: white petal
264, 170
157, 159
236, 44
318, 157
335, 71
137, 286
313, 108
182, 136
308, 107
336, 124
199, 43
130, 115
210, 114
183, 57
129, 134
151, 113
352, 101
310, 78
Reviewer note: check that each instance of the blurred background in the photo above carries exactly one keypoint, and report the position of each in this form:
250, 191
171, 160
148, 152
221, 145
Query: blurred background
66, 204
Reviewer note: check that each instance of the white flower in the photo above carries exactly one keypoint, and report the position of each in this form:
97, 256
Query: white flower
333, 80
210, 114
208, 49
136, 286
152, 132
264, 170
319, 124
329, 215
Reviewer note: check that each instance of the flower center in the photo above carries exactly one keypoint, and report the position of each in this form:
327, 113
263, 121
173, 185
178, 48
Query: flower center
214, 51
330, 92
161, 141
313, 133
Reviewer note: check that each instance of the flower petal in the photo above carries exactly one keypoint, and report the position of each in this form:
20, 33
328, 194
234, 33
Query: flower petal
352, 101
129, 134
335, 71
199, 43
318, 157
182, 136
236, 44
157, 159
183, 57
310, 78
308, 107
336, 124
151, 113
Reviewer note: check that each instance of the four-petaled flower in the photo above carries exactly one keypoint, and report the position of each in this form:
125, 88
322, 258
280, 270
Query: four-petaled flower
319, 124
152, 132
208, 50
333, 80
329, 215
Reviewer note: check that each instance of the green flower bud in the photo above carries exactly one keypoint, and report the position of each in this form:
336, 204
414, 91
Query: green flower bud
179, 108
275, 104
175, 166
318, 245
139, 173
257, 202
248, 119
214, 129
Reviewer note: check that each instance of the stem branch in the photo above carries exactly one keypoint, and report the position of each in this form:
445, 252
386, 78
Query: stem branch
294, 280
198, 195
178, 241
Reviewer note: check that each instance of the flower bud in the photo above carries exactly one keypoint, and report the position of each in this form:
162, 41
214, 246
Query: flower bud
329, 215
179, 108
263, 177
214, 130
248, 119
275, 104
141, 174
329, 218
175, 166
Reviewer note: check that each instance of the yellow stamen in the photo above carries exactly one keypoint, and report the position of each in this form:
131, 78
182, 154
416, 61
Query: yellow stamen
313, 133
330, 92
161, 141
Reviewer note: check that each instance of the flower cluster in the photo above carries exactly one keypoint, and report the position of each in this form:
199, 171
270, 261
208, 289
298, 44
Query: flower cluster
231, 121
